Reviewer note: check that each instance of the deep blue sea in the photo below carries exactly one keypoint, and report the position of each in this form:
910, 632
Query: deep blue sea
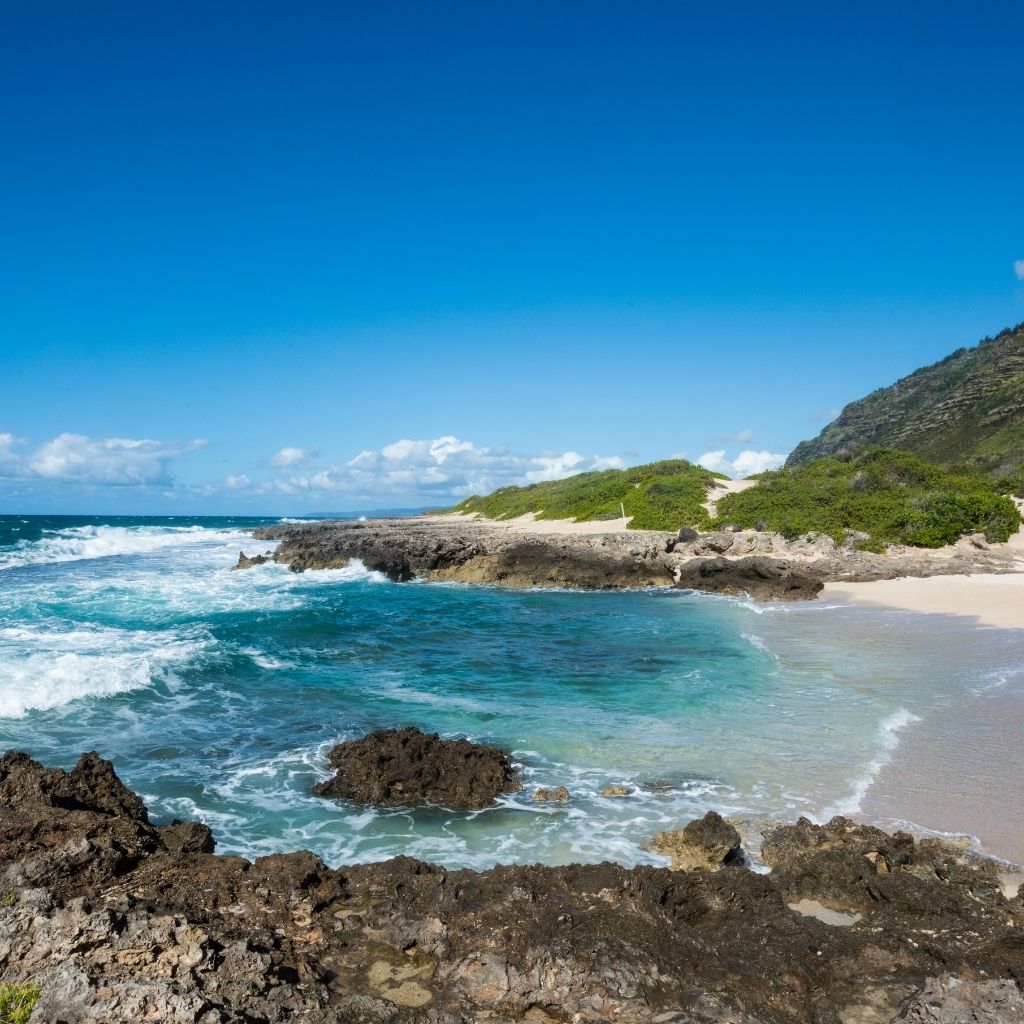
216, 693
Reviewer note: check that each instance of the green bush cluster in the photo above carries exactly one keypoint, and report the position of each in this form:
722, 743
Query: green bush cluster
17, 1001
894, 497
659, 496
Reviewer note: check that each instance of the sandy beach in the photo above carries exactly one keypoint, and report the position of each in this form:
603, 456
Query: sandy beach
993, 600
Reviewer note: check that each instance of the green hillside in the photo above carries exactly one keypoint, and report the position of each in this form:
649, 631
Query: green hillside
894, 497
659, 496
966, 411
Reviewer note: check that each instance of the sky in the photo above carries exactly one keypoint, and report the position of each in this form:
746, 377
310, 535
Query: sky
287, 258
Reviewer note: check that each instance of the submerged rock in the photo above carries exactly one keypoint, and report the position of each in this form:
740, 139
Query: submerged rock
709, 842
616, 791
407, 766
542, 795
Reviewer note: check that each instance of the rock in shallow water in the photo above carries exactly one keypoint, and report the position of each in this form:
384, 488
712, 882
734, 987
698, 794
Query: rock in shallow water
710, 842
406, 766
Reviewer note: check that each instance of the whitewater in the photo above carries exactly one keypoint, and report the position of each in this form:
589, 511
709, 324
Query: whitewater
217, 693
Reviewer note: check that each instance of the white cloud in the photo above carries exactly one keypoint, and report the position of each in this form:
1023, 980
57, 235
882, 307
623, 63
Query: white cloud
74, 457
749, 462
237, 482
290, 457
746, 463
438, 468
8, 456
715, 461
744, 436
1018, 269
555, 467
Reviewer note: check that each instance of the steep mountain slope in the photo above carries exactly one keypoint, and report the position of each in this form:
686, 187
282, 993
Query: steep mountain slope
967, 410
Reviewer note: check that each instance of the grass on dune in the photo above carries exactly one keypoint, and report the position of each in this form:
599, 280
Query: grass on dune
659, 496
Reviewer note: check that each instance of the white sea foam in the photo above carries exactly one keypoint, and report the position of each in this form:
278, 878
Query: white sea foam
46, 667
262, 659
79, 543
759, 644
888, 739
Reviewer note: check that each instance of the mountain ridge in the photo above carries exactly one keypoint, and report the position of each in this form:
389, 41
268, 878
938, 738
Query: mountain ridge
966, 410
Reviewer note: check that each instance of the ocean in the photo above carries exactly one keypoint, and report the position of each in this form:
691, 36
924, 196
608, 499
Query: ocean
216, 694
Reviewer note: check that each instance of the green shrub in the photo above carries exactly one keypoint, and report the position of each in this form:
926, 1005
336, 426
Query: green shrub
894, 497
659, 496
17, 1001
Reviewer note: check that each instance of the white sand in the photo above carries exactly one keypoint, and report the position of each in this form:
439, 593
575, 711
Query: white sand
721, 489
994, 600
529, 523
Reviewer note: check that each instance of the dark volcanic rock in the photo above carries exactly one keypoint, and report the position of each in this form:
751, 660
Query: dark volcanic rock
468, 552
245, 562
763, 579
406, 766
170, 935
765, 566
91, 785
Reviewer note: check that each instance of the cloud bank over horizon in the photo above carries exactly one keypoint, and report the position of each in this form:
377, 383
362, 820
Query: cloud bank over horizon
75, 458
407, 472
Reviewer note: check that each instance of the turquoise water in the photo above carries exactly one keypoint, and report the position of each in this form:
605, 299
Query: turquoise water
217, 693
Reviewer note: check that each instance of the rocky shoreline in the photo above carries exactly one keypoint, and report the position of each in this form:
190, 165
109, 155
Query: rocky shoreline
118, 919
764, 566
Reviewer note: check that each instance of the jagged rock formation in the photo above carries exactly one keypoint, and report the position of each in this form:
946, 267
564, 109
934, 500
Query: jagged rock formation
118, 924
460, 550
407, 766
765, 566
967, 409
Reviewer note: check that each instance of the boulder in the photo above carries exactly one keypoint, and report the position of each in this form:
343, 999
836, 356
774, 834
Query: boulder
611, 791
709, 842
713, 544
407, 766
187, 837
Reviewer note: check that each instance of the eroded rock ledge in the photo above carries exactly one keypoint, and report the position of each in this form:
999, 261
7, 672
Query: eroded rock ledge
764, 566
468, 552
119, 920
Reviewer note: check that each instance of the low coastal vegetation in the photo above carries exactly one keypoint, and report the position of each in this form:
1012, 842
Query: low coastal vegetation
658, 496
17, 1001
891, 497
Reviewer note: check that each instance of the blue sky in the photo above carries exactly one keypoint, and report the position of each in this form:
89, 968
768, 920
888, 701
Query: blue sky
294, 257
